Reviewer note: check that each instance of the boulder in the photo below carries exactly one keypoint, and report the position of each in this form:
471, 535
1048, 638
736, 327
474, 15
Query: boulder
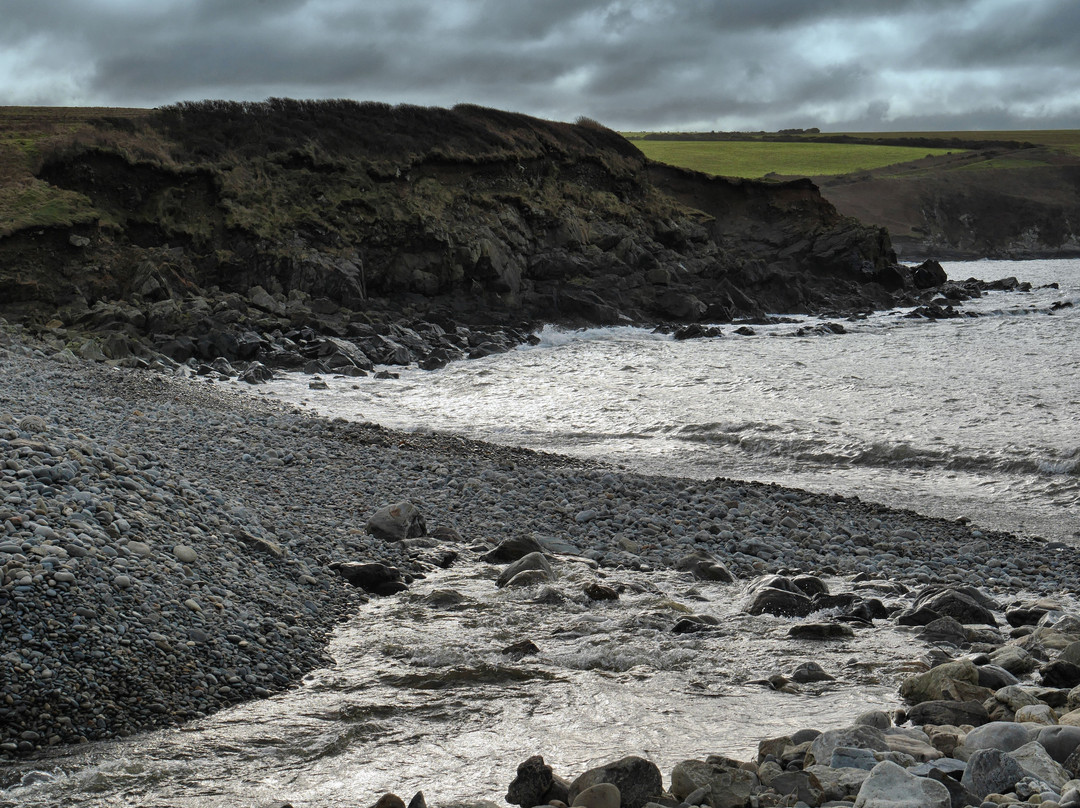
1035, 714
838, 783
512, 549
1060, 742
963, 605
809, 672
1001, 735
859, 737
725, 786
373, 577
944, 630
779, 602
890, 786
596, 591
602, 795
704, 567
533, 779
637, 779
803, 786
810, 585
1060, 673
991, 771
820, 631
1036, 762
533, 562
939, 712
928, 274
1016, 660
929, 686
397, 522
995, 677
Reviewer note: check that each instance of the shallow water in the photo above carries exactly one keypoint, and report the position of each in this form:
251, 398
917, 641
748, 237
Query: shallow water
972, 417
421, 698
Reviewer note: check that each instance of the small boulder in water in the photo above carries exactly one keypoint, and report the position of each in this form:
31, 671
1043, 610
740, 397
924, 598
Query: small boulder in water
595, 591
530, 563
376, 578
704, 567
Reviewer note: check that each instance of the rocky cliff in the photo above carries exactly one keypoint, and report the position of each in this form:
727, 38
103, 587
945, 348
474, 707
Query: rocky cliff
345, 217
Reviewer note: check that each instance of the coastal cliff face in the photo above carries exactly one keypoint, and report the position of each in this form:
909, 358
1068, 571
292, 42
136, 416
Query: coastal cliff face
1025, 205
346, 217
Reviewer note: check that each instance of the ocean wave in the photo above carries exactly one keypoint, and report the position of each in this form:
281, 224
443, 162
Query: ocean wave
879, 453
553, 336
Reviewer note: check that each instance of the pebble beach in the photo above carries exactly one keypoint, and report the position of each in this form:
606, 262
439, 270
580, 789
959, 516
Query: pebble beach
170, 546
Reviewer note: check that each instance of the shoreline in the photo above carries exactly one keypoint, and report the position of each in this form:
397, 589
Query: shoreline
268, 497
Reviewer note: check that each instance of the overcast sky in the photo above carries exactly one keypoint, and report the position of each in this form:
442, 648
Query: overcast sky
631, 64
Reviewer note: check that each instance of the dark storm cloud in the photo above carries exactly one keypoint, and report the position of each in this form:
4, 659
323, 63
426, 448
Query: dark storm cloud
712, 64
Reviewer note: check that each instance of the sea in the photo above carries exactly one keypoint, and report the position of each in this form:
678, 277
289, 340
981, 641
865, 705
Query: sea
974, 417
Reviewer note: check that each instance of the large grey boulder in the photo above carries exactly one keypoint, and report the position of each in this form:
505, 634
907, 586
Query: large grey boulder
724, 785
1002, 735
397, 522
890, 786
858, 737
512, 549
991, 771
932, 685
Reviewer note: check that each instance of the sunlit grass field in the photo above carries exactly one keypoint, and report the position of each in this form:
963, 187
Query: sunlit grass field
755, 159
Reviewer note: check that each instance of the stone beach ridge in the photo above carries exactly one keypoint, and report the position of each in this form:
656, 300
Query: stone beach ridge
169, 547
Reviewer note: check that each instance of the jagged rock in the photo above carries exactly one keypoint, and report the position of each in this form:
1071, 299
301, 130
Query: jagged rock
534, 778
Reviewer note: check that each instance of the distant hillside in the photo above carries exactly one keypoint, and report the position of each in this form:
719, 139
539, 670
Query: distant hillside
950, 194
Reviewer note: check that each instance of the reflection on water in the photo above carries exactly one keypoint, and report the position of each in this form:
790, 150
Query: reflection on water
422, 698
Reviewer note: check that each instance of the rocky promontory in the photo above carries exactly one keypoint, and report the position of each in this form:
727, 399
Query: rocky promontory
212, 229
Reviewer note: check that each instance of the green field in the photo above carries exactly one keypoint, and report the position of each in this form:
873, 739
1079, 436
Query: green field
1067, 140
755, 159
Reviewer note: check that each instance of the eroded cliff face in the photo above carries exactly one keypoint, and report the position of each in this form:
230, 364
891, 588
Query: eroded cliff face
1012, 213
472, 215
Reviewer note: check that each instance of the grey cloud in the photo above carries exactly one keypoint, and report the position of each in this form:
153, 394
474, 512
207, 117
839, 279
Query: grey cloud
720, 64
